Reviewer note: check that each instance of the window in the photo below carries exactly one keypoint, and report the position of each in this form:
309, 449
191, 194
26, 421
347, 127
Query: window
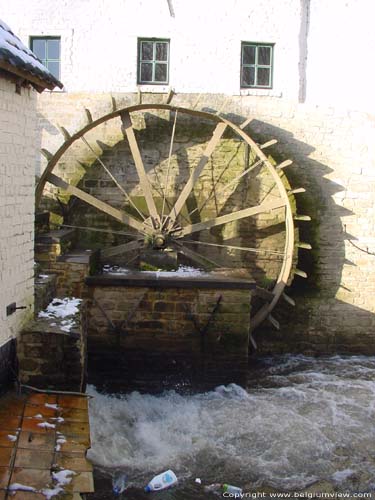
256, 65
153, 61
47, 49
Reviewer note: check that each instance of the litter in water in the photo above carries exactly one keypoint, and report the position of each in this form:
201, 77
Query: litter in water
162, 481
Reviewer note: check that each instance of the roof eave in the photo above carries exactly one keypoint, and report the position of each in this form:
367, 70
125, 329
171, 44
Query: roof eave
38, 83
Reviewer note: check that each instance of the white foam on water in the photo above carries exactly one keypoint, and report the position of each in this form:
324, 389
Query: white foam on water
317, 425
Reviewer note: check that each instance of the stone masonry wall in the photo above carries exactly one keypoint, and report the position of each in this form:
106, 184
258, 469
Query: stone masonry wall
18, 147
139, 335
49, 357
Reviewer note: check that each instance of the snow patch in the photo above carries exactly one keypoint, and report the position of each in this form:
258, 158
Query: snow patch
184, 271
53, 406
52, 492
46, 425
63, 476
20, 487
62, 308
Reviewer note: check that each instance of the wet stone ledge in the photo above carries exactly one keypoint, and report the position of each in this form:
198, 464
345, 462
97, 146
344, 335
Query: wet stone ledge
51, 352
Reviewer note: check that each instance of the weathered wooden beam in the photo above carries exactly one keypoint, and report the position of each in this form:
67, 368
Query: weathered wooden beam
245, 123
88, 115
170, 96
120, 249
300, 273
46, 154
143, 179
284, 164
213, 142
273, 321
306, 246
288, 299
64, 132
224, 219
296, 191
100, 205
268, 144
302, 217
114, 104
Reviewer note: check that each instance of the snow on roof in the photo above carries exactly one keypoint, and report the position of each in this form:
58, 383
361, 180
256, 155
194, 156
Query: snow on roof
14, 53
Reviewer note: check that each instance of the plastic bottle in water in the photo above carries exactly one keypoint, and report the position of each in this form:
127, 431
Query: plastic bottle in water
118, 482
228, 488
162, 481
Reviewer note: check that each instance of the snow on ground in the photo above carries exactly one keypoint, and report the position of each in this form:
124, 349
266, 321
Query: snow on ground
182, 271
62, 308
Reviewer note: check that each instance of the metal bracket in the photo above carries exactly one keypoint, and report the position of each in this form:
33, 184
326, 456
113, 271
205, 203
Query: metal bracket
122, 327
193, 317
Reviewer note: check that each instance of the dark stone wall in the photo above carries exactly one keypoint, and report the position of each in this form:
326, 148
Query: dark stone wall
7, 364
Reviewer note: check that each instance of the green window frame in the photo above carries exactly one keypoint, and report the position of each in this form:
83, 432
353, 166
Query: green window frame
257, 65
48, 50
153, 61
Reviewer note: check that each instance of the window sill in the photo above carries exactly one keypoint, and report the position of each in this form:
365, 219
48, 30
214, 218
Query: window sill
155, 88
261, 92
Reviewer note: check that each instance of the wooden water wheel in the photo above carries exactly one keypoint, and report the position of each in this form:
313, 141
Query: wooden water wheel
210, 209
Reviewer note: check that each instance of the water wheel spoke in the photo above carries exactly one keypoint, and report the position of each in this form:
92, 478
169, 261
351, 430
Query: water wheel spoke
166, 186
238, 215
234, 247
226, 186
195, 256
117, 214
94, 229
143, 179
213, 142
112, 177
121, 249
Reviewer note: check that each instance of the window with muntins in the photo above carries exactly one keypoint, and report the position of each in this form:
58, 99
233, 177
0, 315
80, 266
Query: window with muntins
256, 65
47, 49
153, 61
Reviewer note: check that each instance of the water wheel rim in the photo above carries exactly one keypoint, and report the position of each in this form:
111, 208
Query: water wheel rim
286, 267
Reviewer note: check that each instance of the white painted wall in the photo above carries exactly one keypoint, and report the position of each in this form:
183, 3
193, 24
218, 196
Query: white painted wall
99, 44
341, 42
99, 40
18, 147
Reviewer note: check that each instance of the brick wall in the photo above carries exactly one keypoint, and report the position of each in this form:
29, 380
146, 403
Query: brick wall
18, 148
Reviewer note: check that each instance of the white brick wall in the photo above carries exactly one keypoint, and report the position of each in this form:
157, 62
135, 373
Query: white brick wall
18, 146
320, 46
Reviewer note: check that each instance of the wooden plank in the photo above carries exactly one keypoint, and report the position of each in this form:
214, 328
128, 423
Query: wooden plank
284, 164
245, 123
224, 219
306, 246
195, 256
100, 205
300, 273
143, 179
296, 191
64, 132
302, 217
218, 133
288, 299
46, 154
88, 115
274, 322
268, 144
118, 249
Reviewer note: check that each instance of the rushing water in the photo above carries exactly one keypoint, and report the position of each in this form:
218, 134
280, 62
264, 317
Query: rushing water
301, 422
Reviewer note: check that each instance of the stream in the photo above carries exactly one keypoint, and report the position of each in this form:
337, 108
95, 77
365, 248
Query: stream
302, 425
